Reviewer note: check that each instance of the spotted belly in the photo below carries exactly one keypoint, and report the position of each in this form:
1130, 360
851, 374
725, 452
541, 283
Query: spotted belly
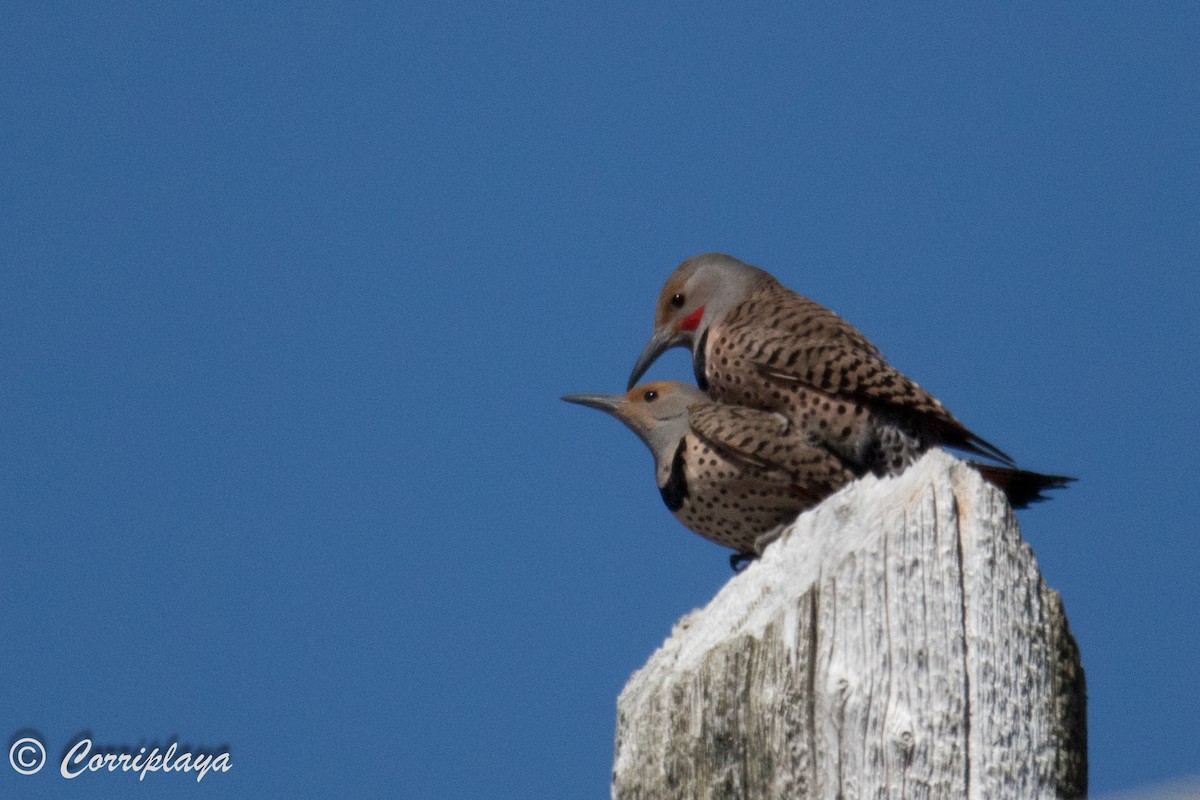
728, 503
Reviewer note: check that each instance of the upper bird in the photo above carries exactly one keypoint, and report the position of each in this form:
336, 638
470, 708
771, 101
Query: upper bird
756, 343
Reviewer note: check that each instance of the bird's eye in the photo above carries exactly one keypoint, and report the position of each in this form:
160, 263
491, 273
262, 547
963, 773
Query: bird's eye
650, 396
677, 300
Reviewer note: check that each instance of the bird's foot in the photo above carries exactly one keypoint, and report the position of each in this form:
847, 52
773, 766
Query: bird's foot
739, 561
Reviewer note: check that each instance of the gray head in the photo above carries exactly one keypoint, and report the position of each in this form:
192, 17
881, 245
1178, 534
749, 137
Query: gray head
701, 290
657, 412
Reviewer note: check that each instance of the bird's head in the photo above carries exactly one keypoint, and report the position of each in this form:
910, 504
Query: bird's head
657, 412
700, 291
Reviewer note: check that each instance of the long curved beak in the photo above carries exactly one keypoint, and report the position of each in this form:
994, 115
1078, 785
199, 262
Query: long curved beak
663, 340
608, 403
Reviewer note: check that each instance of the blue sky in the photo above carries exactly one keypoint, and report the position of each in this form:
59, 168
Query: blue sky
291, 294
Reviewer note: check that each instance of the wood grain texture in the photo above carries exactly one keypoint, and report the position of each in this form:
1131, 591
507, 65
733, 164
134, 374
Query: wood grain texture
898, 641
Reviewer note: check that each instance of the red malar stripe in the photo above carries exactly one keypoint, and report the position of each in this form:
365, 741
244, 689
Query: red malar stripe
691, 321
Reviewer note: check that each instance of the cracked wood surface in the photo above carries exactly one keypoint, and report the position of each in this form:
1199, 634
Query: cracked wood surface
897, 642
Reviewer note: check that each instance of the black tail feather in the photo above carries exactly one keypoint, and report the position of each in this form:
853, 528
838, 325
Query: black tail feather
987, 450
949, 432
1021, 486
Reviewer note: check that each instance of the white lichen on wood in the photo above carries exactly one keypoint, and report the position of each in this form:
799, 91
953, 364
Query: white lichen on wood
897, 641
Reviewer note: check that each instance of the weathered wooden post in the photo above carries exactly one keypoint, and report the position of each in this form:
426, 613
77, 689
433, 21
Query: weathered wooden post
898, 642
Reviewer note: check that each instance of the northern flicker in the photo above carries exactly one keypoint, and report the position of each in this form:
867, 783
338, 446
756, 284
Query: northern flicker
737, 476
734, 475
756, 343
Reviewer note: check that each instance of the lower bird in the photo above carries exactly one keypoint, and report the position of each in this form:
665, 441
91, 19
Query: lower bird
734, 475
738, 476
